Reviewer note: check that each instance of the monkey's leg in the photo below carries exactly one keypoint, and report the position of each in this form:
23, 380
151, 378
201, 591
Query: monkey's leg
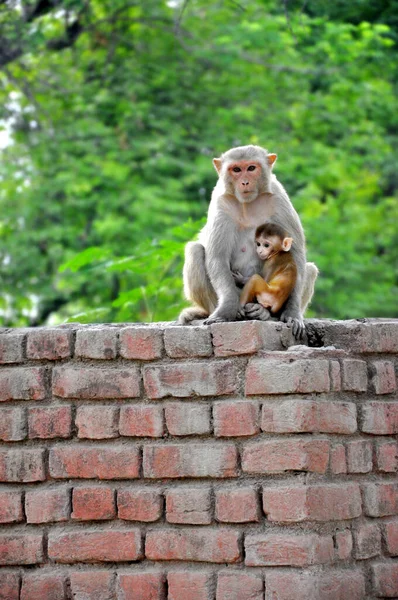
254, 286
197, 285
311, 273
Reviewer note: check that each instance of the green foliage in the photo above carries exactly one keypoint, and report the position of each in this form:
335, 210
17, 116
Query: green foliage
113, 129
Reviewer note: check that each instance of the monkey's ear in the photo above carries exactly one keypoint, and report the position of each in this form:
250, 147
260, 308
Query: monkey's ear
217, 162
287, 244
271, 159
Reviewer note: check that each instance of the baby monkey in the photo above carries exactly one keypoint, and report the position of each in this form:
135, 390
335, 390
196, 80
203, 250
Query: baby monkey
279, 272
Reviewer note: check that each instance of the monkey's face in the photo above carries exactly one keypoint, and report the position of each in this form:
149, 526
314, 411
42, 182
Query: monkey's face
270, 245
266, 246
245, 178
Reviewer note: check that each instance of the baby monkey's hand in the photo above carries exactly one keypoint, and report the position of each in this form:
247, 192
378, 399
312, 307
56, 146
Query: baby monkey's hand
239, 279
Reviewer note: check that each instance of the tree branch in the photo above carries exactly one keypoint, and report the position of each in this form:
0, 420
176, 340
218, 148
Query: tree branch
70, 36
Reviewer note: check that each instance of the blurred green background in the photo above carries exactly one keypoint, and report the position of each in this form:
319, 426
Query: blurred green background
110, 114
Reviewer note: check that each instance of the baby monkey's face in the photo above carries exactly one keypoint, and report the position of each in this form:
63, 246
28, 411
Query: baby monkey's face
267, 246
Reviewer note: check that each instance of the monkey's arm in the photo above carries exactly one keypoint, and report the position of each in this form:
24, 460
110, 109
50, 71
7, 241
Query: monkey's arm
239, 279
219, 249
292, 314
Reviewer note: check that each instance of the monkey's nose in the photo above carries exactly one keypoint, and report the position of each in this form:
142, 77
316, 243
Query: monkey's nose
245, 183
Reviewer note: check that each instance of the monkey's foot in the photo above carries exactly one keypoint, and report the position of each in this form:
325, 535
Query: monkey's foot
212, 320
227, 312
254, 310
241, 313
297, 325
191, 314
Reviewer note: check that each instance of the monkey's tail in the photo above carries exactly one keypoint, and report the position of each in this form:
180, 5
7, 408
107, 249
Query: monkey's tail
190, 314
311, 273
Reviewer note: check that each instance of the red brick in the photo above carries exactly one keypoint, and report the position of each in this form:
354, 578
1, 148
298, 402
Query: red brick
194, 545
381, 499
47, 505
280, 549
387, 457
94, 462
239, 585
187, 419
355, 375
285, 504
43, 586
359, 456
367, 540
236, 418
93, 504
379, 337
98, 343
21, 549
195, 460
94, 546
334, 502
195, 585
22, 466
189, 506
383, 380
51, 344
232, 339
145, 585
312, 502
97, 422
380, 418
285, 455
141, 420
184, 342
247, 337
308, 416
144, 343
92, 584
338, 461
94, 383
49, 423
9, 585
139, 504
13, 424
385, 579
344, 544
11, 507
391, 536
335, 376
11, 348
191, 379
239, 505
23, 383
306, 585
275, 376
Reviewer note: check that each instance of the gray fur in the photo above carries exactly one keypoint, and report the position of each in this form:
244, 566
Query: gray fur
230, 227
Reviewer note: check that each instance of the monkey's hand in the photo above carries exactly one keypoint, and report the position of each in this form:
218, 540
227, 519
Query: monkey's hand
256, 311
239, 279
228, 311
294, 321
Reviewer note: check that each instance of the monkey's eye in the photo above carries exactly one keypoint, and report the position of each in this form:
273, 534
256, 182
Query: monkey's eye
236, 169
267, 245
258, 244
251, 168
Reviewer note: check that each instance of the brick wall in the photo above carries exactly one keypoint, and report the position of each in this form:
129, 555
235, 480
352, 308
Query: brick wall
223, 463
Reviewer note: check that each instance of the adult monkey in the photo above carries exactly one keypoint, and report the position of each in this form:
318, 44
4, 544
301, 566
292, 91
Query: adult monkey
246, 195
